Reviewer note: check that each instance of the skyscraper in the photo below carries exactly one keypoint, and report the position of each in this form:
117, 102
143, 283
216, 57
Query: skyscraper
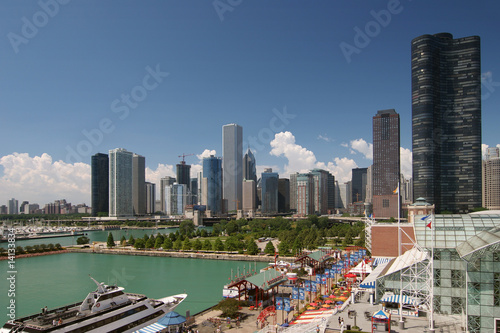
100, 183
139, 184
305, 190
249, 196
386, 163
164, 182
293, 191
283, 195
446, 121
269, 180
13, 207
120, 183
212, 184
491, 179
232, 160
358, 185
175, 197
183, 173
249, 166
150, 198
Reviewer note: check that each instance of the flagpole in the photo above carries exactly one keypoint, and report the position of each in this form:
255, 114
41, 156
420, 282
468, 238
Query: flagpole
431, 328
401, 322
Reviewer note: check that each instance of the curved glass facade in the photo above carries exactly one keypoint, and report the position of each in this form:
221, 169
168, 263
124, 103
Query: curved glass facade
446, 121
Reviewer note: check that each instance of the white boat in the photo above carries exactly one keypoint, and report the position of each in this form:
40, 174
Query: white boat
229, 292
108, 309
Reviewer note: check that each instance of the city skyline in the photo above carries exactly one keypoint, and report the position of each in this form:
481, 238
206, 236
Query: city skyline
299, 78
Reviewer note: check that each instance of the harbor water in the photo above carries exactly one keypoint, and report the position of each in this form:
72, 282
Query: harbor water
61, 279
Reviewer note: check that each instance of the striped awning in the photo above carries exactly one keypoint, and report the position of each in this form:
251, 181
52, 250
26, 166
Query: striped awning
368, 285
395, 299
378, 261
370, 281
153, 328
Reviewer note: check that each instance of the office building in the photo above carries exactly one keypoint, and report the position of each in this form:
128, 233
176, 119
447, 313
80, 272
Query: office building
386, 163
305, 197
164, 182
269, 194
249, 166
293, 191
249, 196
193, 190
120, 183
232, 160
150, 198
183, 171
283, 195
491, 180
139, 184
212, 184
13, 206
320, 191
175, 199
358, 185
100, 183
446, 121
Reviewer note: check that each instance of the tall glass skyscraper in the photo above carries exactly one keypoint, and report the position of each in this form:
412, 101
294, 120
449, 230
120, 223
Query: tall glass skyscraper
446, 121
139, 184
212, 177
232, 160
269, 181
386, 163
120, 183
100, 183
249, 166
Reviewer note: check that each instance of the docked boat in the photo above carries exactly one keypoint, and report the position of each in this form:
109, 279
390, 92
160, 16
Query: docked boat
107, 309
230, 292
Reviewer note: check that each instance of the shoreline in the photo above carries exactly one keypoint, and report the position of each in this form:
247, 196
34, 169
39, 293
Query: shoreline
29, 255
180, 254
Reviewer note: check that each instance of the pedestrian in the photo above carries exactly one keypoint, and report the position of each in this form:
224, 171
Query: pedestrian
317, 328
340, 321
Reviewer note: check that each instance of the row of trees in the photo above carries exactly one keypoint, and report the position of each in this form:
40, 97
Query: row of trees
33, 249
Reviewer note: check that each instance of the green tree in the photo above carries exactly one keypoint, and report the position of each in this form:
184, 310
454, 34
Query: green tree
20, 250
111, 241
139, 243
207, 245
197, 245
131, 240
252, 247
269, 248
51, 247
167, 244
177, 244
284, 248
150, 243
231, 228
82, 240
218, 245
232, 244
159, 242
229, 307
123, 241
216, 230
186, 227
58, 246
203, 233
186, 246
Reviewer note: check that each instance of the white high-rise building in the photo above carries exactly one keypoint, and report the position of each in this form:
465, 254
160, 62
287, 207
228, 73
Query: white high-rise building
232, 166
150, 198
13, 207
491, 179
120, 183
175, 199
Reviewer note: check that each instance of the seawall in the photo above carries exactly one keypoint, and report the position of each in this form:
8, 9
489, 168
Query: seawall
182, 254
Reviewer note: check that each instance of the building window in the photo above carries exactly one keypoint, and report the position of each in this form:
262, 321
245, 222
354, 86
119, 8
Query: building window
437, 278
457, 278
457, 305
496, 289
385, 203
437, 304
496, 256
474, 324
474, 293
437, 255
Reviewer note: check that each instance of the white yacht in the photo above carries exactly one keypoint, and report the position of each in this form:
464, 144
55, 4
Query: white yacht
108, 309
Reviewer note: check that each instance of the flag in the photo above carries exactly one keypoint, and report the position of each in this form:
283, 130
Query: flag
396, 191
429, 225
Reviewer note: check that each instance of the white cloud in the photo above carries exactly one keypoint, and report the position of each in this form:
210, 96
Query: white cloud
324, 138
206, 153
345, 145
302, 160
406, 158
363, 147
154, 175
40, 180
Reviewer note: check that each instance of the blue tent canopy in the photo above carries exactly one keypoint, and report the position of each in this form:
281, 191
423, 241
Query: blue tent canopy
172, 318
153, 328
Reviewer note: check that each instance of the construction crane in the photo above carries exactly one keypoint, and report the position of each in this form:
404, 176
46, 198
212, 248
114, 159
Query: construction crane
183, 156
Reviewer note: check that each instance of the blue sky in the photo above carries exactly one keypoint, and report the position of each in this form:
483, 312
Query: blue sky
189, 67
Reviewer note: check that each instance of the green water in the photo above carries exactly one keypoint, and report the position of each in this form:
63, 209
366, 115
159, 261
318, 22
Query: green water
94, 236
57, 280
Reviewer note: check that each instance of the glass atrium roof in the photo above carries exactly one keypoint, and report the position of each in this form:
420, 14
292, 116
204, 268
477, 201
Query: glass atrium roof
475, 246
452, 230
